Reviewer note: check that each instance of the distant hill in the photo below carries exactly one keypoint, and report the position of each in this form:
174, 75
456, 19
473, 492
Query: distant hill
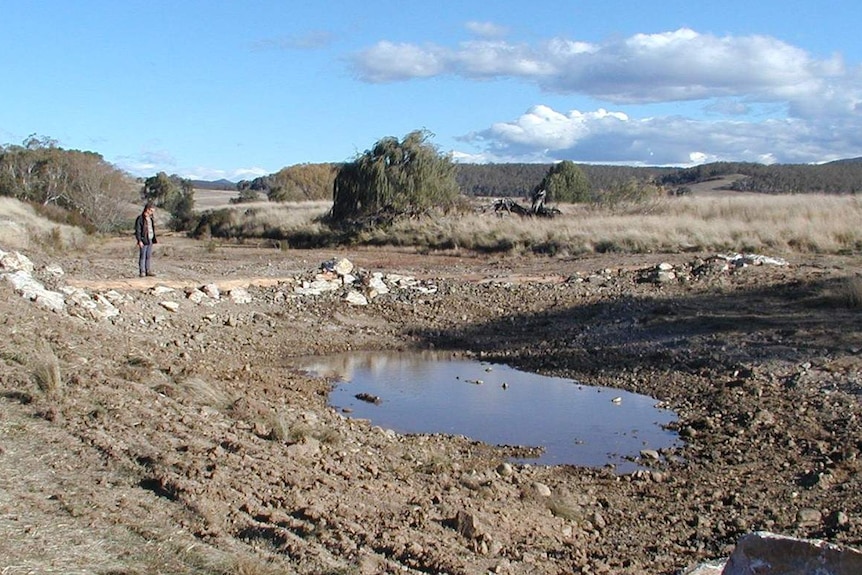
846, 161
214, 185
518, 179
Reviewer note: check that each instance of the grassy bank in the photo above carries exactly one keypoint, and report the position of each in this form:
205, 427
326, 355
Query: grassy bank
746, 223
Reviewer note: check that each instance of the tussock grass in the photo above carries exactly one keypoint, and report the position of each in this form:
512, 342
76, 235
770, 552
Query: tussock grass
205, 393
850, 293
564, 508
46, 372
282, 429
809, 223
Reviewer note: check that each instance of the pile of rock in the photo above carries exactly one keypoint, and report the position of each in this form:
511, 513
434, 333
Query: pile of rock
358, 286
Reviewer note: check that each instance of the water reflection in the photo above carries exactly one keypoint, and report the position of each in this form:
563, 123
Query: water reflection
432, 392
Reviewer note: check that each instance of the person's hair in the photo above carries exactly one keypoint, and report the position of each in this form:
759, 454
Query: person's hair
149, 206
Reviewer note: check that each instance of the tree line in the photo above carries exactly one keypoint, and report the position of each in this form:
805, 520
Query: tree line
88, 190
518, 180
406, 175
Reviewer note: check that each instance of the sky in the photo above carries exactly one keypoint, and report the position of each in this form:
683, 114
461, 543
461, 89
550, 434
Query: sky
212, 89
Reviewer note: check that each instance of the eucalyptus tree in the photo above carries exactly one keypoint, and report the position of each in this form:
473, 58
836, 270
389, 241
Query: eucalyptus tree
302, 182
174, 194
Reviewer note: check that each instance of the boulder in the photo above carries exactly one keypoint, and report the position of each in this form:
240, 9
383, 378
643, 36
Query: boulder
762, 553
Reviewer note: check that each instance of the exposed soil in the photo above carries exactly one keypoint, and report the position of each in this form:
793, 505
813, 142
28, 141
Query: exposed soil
186, 441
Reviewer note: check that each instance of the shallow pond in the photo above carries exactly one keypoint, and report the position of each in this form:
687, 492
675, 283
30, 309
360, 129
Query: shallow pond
431, 392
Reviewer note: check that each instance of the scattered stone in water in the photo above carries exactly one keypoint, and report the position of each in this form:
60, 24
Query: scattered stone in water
369, 398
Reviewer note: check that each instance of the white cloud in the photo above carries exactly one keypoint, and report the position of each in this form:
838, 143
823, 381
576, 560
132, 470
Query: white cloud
388, 62
486, 29
151, 163
670, 66
211, 174
544, 135
766, 100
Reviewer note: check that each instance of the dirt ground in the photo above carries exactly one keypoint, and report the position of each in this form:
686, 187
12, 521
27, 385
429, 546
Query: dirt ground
187, 442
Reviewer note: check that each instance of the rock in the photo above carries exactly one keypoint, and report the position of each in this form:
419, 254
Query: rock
170, 305
541, 489
29, 288
710, 568
82, 305
467, 525
240, 295
343, 267
348, 279
212, 291
376, 283
117, 298
196, 296
807, 517
54, 270
368, 398
15, 261
650, 454
763, 553
353, 297
317, 287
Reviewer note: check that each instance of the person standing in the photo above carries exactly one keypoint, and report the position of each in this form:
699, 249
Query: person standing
145, 235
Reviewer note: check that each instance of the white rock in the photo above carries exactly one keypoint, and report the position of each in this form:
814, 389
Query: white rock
343, 267
353, 297
211, 290
117, 298
15, 261
348, 279
542, 489
51, 300
240, 295
81, 304
29, 288
196, 296
170, 305
377, 284
317, 287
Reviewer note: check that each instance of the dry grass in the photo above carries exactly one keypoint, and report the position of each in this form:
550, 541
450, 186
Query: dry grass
22, 228
850, 293
46, 372
205, 393
744, 223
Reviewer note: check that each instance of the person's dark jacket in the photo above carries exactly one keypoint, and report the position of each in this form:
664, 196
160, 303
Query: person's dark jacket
140, 233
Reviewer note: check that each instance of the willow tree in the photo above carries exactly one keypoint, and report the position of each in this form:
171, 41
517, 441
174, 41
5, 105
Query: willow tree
400, 176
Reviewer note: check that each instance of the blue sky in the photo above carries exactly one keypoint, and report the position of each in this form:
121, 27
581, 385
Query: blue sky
237, 89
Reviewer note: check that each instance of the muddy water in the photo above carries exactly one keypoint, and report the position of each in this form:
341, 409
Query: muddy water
432, 392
